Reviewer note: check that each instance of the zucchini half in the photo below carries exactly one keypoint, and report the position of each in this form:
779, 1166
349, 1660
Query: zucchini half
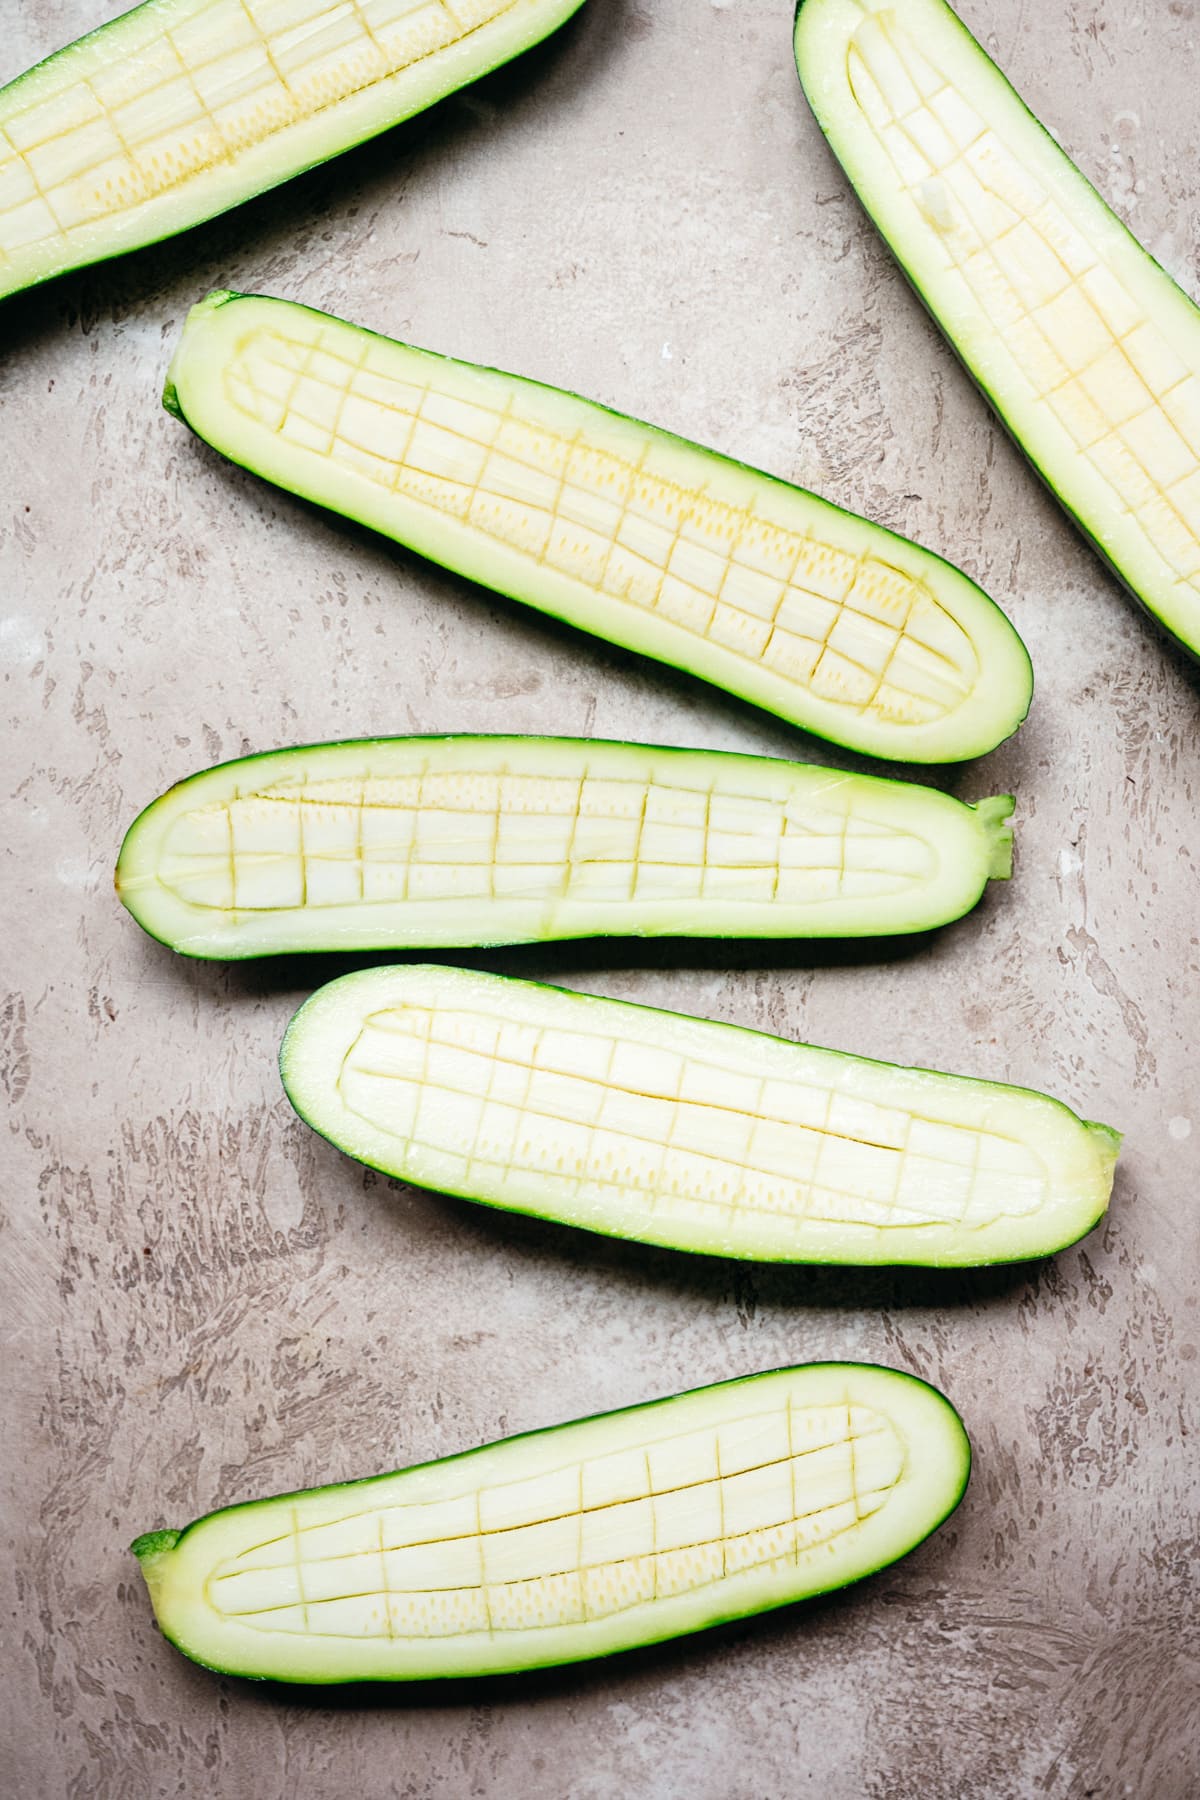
1085, 347
403, 842
679, 1131
579, 1541
181, 109
614, 526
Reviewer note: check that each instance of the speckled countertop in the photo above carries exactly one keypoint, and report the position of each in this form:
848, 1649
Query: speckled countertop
207, 1303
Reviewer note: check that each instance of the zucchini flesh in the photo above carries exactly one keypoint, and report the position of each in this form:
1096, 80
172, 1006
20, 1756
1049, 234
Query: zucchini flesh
181, 109
640, 537
574, 1542
406, 842
1086, 348
678, 1131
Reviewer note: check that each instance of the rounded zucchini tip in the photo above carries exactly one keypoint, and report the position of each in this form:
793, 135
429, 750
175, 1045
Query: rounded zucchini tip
197, 314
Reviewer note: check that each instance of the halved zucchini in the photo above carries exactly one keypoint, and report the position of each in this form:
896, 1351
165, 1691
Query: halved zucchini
589, 1538
181, 109
678, 1131
403, 842
640, 537
1086, 348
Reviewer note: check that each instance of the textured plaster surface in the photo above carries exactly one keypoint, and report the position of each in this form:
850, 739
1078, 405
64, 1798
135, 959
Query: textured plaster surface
205, 1303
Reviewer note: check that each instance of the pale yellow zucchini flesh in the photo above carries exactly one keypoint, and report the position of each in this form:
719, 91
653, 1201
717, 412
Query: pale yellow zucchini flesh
182, 108
579, 1541
679, 1131
418, 842
619, 528
1087, 349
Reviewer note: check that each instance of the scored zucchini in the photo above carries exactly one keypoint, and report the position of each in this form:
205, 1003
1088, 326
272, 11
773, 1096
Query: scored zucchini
682, 1132
1086, 348
831, 622
579, 1541
181, 109
403, 842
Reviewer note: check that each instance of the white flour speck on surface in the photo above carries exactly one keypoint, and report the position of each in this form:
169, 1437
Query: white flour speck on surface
20, 640
73, 871
1179, 1128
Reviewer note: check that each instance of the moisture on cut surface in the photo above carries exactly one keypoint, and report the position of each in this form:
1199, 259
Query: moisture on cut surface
410, 841
666, 1516
856, 630
685, 1135
1089, 351
672, 550
488, 835
676, 1130
575, 1542
1092, 355
185, 94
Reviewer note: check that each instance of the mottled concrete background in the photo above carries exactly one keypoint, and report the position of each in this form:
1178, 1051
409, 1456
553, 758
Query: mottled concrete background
205, 1303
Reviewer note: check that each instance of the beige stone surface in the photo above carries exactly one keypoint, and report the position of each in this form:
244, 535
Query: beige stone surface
206, 1303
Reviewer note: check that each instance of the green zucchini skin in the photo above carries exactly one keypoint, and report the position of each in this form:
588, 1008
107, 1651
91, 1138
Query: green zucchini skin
1150, 568
899, 1427
614, 526
685, 1133
550, 838
209, 161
